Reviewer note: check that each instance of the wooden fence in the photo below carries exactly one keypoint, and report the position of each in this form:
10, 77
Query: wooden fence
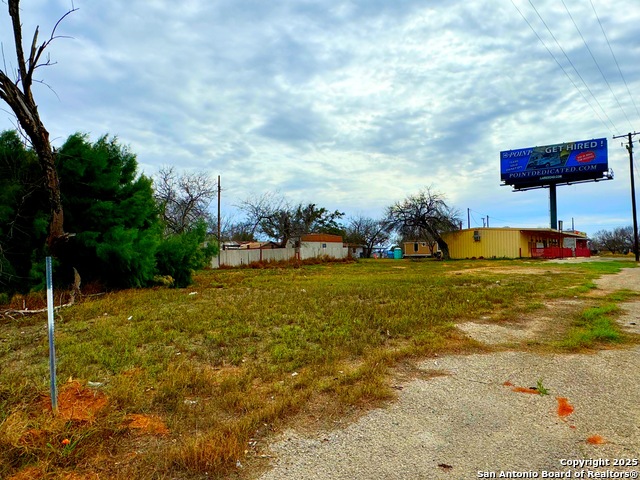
239, 257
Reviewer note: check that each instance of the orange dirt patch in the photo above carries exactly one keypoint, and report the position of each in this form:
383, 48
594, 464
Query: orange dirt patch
532, 391
78, 403
526, 390
564, 407
596, 440
148, 424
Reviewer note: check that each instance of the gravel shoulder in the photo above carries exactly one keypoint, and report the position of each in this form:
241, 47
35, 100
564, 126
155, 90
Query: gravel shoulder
470, 420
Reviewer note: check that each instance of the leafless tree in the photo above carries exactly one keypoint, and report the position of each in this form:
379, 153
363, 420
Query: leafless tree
618, 240
275, 218
367, 232
259, 209
232, 229
17, 94
184, 199
428, 212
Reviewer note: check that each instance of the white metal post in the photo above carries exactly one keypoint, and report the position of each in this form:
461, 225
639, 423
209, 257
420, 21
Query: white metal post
52, 350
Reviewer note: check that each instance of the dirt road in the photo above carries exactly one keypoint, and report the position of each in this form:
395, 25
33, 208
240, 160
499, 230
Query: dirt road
472, 423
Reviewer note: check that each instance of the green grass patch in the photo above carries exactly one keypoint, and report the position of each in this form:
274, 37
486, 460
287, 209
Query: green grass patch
241, 352
622, 296
594, 327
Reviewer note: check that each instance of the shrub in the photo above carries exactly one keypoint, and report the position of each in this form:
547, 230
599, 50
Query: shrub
179, 255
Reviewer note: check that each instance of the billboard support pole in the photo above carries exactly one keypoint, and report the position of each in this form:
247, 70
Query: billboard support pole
553, 206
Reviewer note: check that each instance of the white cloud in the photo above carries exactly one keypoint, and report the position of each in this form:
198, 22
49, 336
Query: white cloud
349, 104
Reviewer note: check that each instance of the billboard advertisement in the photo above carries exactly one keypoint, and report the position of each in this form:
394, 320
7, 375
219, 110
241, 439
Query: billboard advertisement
559, 163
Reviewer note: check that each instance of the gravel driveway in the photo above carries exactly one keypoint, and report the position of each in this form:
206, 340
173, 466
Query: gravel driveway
471, 423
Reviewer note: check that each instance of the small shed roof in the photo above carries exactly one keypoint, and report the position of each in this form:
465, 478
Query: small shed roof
256, 245
321, 237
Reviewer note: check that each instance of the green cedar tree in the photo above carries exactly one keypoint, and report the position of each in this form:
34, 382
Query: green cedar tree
24, 216
111, 209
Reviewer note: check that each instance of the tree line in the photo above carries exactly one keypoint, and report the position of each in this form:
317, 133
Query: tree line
134, 231
86, 205
419, 217
617, 240
126, 234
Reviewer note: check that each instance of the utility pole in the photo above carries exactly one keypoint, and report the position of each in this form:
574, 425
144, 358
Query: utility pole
219, 232
468, 219
633, 192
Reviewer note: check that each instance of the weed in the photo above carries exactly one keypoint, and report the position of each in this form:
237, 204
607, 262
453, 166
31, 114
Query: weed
541, 388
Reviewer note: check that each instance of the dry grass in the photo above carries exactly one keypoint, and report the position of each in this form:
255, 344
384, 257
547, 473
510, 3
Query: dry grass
187, 383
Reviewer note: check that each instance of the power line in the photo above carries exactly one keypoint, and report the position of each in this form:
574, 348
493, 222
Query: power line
485, 215
596, 62
562, 68
572, 65
614, 58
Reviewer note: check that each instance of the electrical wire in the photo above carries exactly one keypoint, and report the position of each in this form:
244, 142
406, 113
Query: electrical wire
597, 64
562, 68
475, 222
572, 65
498, 219
614, 58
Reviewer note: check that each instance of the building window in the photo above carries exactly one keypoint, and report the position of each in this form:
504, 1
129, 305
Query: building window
415, 247
324, 245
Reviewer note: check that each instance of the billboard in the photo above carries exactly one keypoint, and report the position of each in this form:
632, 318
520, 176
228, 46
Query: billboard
551, 164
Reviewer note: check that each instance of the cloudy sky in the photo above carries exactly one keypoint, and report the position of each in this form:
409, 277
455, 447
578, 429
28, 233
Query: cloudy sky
352, 105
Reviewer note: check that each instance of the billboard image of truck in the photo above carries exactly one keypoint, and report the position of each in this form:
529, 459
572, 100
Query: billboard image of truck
552, 164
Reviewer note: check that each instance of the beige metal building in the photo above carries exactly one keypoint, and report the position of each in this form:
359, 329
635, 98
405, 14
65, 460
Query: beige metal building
508, 243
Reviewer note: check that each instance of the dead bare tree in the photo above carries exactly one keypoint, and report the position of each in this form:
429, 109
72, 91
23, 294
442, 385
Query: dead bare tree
17, 93
367, 232
184, 198
425, 212
273, 216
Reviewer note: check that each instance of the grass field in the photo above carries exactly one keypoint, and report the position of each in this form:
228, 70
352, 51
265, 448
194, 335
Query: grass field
187, 383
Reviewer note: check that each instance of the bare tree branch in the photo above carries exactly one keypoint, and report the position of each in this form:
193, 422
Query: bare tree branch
184, 199
271, 215
426, 212
368, 232
18, 96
